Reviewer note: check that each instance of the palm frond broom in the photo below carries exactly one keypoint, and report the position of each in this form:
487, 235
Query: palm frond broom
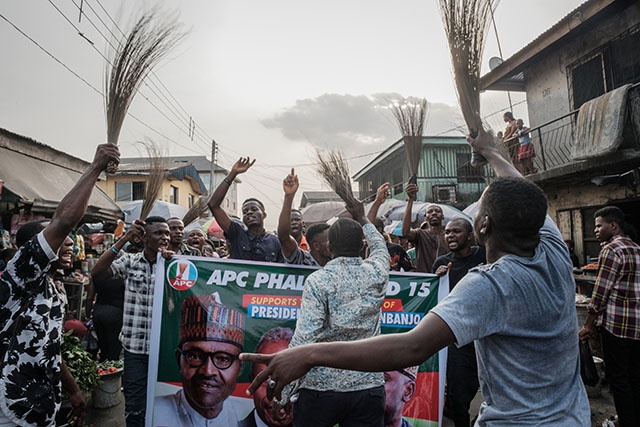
158, 164
195, 211
410, 115
333, 168
466, 23
150, 39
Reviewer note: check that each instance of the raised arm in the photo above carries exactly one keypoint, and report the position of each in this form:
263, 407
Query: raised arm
241, 166
382, 353
101, 269
381, 196
484, 144
73, 206
290, 186
412, 192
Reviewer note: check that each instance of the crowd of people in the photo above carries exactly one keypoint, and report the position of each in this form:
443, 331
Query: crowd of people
509, 321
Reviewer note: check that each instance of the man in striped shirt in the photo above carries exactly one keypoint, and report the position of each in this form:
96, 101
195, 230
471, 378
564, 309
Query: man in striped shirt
615, 304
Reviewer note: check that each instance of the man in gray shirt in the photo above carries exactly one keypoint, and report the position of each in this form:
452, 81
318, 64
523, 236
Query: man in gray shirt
519, 309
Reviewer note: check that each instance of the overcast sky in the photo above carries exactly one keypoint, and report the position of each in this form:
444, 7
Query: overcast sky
268, 79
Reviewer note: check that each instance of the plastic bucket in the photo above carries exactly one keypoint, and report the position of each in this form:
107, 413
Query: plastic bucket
108, 394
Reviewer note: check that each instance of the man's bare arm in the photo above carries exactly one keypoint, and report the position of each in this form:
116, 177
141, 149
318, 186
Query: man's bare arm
407, 231
223, 220
290, 186
73, 206
381, 196
382, 353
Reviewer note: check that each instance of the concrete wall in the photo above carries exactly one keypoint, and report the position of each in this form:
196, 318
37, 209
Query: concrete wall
184, 188
547, 85
567, 204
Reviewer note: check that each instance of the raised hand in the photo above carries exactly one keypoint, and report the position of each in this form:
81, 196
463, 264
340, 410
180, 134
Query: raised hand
290, 184
412, 191
106, 153
383, 193
242, 165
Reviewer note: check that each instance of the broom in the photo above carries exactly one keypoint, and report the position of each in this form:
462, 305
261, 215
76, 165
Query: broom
150, 39
157, 173
410, 117
333, 168
196, 210
466, 23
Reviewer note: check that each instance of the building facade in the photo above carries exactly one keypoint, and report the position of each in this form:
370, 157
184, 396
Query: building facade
581, 78
444, 172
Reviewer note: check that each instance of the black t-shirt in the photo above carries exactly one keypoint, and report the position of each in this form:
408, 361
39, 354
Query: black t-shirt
460, 266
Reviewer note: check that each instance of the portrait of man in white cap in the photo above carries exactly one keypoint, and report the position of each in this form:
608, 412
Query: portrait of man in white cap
399, 387
211, 338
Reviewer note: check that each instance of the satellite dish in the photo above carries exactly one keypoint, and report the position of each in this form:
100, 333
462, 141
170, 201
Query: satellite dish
494, 62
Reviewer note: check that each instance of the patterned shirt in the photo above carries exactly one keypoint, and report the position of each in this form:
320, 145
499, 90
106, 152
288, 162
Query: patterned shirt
246, 245
188, 250
31, 318
139, 277
342, 302
616, 294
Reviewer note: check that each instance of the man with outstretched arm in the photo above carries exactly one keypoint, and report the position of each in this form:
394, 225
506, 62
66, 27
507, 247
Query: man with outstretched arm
32, 311
519, 309
251, 242
317, 235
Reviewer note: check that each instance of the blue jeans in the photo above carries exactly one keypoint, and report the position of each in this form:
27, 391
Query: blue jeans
135, 388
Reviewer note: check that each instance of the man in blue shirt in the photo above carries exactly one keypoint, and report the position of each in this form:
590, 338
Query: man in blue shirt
249, 241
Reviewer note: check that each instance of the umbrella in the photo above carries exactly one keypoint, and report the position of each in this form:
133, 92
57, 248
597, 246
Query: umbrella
418, 210
471, 209
212, 228
323, 212
160, 208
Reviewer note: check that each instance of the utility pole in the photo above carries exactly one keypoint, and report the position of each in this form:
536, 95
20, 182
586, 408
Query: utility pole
214, 152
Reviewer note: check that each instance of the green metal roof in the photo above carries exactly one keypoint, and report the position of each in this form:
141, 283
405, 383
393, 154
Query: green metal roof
433, 141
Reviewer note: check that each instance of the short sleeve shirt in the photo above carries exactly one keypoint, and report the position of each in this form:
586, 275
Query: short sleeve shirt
429, 246
31, 317
521, 313
248, 246
301, 257
139, 278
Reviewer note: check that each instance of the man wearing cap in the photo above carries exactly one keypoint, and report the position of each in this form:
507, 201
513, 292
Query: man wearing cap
399, 387
211, 338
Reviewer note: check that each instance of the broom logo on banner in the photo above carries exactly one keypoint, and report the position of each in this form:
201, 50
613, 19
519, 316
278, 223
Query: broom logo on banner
182, 274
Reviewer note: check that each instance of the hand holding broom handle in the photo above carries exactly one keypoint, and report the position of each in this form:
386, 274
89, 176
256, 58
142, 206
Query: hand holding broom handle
477, 159
112, 167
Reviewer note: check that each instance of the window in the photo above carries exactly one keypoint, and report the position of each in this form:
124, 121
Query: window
192, 200
127, 191
608, 67
588, 80
466, 172
173, 195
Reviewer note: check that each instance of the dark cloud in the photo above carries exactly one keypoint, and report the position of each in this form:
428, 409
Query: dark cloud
352, 122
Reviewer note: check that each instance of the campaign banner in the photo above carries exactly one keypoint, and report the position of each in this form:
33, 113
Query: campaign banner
252, 303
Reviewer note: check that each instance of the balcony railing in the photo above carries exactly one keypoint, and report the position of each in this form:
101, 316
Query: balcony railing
552, 141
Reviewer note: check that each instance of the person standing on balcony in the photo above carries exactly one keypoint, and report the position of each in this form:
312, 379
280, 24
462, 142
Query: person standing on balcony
509, 138
615, 303
526, 153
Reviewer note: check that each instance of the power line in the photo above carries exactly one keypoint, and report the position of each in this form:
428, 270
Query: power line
75, 74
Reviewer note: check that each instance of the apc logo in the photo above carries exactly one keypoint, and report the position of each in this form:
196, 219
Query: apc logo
182, 274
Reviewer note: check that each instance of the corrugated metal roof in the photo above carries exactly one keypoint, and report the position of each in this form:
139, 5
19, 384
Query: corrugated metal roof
510, 71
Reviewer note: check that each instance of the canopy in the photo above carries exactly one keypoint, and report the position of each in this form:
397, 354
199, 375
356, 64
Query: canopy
42, 184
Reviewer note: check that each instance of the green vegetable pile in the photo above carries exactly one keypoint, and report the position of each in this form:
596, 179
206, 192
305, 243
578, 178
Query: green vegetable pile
83, 368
